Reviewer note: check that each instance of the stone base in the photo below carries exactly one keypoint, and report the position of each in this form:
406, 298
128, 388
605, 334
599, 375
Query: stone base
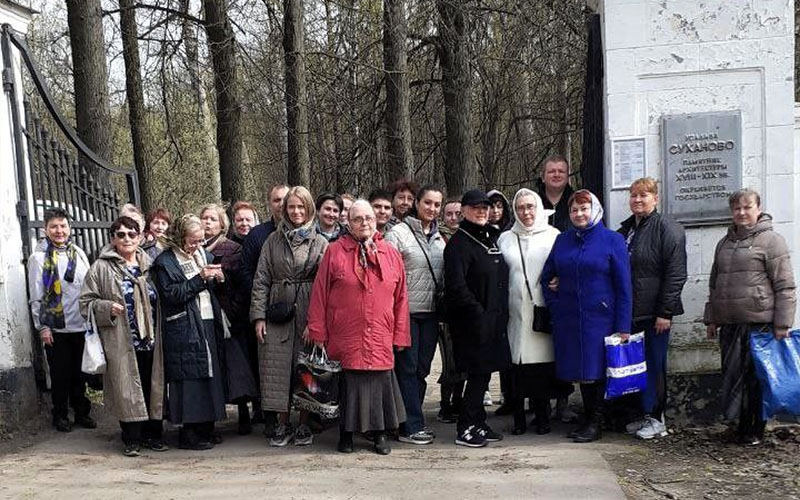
693, 398
20, 402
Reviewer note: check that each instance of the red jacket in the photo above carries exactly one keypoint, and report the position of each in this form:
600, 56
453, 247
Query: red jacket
360, 319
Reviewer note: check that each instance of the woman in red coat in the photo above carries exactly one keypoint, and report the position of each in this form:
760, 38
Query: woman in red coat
359, 311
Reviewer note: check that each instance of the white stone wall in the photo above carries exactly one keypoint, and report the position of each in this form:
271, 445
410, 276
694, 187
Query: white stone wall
684, 56
15, 326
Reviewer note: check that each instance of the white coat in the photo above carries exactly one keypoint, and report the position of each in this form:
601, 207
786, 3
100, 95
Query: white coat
527, 346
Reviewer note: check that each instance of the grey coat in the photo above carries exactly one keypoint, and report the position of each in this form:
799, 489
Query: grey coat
751, 279
286, 271
407, 237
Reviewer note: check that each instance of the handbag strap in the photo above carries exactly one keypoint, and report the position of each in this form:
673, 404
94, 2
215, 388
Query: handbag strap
427, 259
524, 271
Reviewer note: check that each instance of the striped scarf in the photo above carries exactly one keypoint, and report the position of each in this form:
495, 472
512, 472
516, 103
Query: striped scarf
52, 310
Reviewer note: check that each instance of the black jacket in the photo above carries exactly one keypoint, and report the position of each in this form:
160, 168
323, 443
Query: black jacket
658, 266
476, 284
185, 351
560, 219
251, 251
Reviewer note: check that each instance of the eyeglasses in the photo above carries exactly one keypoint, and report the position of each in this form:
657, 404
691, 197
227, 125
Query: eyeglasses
530, 207
130, 234
360, 220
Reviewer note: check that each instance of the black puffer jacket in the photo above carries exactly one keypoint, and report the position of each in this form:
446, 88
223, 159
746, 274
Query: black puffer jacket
476, 284
658, 266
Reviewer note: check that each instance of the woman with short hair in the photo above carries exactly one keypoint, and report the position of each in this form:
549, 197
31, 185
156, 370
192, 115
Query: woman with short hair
193, 330
120, 295
281, 290
359, 311
586, 282
657, 249
155, 232
751, 289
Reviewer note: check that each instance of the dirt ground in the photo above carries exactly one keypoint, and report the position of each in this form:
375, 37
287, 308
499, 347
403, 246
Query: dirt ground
706, 463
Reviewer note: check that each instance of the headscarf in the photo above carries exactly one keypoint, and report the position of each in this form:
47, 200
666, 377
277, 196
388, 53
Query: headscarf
539, 221
52, 310
596, 214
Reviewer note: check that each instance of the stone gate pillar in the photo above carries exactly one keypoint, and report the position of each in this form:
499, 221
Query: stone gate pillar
671, 58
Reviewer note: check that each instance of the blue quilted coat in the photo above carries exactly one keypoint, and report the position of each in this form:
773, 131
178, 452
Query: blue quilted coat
594, 298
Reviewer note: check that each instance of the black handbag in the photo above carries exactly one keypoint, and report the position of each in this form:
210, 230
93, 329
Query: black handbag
283, 312
541, 314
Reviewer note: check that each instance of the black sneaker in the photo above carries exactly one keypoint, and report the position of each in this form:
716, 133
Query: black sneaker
446, 416
382, 446
488, 434
86, 422
131, 450
471, 438
62, 424
155, 445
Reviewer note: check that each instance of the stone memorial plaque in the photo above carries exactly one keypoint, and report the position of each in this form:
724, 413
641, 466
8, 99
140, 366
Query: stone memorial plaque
702, 158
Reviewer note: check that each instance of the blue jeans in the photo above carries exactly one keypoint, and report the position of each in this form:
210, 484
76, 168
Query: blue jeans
654, 397
412, 365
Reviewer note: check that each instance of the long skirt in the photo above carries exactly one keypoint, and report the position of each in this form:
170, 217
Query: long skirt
741, 391
370, 401
241, 382
199, 400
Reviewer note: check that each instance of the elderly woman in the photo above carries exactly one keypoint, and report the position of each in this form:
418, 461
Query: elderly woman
155, 232
281, 291
587, 286
56, 270
657, 249
476, 280
118, 292
525, 249
418, 240
233, 298
752, 289
193, 330
359, 311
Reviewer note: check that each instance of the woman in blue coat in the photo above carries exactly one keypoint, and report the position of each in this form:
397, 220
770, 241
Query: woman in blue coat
589, 295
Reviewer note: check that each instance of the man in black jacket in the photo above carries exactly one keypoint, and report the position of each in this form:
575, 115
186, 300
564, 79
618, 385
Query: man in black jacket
554, 189
657, 247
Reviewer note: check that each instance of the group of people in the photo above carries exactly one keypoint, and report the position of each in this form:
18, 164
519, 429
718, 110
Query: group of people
195, 313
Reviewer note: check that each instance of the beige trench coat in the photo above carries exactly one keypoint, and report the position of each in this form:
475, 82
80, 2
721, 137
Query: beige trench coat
285, 269
122, 386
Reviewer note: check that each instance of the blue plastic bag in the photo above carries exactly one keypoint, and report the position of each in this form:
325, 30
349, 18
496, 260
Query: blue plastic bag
777, 364
626, 369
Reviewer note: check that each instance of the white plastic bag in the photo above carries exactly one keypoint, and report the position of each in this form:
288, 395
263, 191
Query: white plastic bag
94, 357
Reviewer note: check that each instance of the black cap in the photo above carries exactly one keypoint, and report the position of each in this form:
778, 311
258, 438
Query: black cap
475, 197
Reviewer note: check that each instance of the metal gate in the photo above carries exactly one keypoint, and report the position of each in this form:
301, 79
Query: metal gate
55, 168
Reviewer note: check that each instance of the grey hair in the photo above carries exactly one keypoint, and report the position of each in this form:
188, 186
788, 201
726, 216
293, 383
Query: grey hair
361, 202
740, 194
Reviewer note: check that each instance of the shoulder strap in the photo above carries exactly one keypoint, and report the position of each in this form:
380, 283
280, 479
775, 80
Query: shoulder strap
524, 271
427, 259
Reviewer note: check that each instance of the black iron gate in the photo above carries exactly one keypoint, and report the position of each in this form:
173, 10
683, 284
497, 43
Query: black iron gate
49, 173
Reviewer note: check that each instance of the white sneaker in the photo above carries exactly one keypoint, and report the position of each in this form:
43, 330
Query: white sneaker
651, 429
487, 399
635, 426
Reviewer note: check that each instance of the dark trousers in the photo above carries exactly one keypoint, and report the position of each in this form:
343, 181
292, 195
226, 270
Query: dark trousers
452, 395
741, 389
535, 381
472, 410
137, 432
412, 366
654, 396
67, 383
593, 395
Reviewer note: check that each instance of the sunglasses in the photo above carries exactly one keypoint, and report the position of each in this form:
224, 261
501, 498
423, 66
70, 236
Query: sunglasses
130, 234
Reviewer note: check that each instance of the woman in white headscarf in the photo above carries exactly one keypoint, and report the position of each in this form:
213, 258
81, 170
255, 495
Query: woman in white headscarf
525, 249
587, 285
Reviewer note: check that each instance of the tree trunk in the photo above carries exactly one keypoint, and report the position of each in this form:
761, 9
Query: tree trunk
90, 77
399, 155
189, 37
222, 47
136, 111
298, 171
460, 169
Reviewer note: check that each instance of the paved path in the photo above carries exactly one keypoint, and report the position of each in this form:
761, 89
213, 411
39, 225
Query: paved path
88, 464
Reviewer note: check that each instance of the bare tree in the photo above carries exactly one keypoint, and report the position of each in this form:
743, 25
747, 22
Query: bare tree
298, 168
142, 158
222, 46
399, 155
454, 60
90, 77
